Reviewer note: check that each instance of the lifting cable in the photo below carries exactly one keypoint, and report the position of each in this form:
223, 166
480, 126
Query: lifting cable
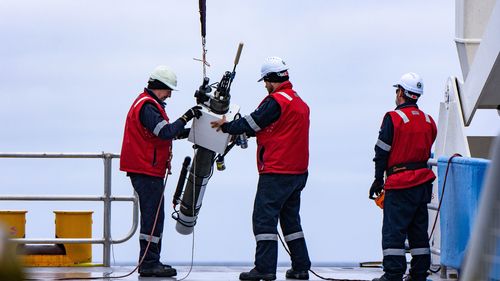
430, 236
317, 275
440, 202
442, 193
279, 236
203, 23
203, 17
193, 206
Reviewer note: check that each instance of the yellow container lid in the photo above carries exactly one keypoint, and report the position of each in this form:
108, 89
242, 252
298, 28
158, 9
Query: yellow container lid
76, 212
13, 212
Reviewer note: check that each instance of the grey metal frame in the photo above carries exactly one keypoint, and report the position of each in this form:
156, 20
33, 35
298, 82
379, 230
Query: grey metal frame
482, 255
106, 198
433, 162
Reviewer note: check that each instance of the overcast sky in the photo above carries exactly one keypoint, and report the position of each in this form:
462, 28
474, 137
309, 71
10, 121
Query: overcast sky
69, 71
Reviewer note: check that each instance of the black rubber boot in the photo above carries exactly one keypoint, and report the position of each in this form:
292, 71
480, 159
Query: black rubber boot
255, 275
297, 274
159, 270
381, 278
413, 278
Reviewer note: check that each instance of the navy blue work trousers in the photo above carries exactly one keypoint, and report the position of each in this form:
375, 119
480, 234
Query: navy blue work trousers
406, 216
278, 197
150, 191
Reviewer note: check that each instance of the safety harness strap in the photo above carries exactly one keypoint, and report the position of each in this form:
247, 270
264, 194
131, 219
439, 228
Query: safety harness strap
405, 167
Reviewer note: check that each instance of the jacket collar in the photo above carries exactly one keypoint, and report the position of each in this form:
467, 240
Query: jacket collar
283, 86
150, 93
407, 104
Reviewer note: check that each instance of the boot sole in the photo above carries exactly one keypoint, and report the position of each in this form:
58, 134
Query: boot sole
158, 275
267, 278
298, 277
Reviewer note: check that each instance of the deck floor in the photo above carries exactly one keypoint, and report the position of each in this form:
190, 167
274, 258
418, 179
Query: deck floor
199, 273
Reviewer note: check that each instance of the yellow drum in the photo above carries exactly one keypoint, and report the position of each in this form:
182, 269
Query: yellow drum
14, 223
75, 224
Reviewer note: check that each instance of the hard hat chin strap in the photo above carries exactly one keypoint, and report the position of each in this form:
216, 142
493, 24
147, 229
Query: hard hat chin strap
410, 95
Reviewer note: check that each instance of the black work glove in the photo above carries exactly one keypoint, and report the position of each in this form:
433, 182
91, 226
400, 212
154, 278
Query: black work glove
183, 134
192, 112
376, 188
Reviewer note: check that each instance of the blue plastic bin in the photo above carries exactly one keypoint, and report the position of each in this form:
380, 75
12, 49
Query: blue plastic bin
460, 205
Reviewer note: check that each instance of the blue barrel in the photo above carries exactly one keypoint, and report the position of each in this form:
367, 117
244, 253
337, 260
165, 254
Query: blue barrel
460, 205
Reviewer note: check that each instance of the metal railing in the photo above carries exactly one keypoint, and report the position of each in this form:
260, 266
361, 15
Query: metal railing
106, 198
433, 162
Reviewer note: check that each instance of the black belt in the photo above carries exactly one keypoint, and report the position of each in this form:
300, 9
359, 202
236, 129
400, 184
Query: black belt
405, 167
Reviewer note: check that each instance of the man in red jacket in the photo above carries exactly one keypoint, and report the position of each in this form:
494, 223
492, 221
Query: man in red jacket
402, 150
146, 154
281, 125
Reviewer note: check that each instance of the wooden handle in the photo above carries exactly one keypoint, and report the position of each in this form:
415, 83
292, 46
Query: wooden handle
238, 54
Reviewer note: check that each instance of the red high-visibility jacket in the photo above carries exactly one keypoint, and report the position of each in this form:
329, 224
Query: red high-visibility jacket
283, 146
414, 134
142, 151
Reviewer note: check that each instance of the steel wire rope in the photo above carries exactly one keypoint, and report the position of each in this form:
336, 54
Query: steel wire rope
317, 275
193, 207
202, 11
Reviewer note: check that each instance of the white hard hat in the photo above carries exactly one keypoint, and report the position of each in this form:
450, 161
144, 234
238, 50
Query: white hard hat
270, 65
165, 75
411, 82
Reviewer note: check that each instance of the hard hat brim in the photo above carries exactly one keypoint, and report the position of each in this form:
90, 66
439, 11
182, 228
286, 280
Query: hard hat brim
165, 75
170, 86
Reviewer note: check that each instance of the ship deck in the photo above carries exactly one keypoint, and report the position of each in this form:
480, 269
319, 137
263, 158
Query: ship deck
199, 273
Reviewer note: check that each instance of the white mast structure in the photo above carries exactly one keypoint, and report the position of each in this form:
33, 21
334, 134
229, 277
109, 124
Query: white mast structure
477, 29
477, 32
